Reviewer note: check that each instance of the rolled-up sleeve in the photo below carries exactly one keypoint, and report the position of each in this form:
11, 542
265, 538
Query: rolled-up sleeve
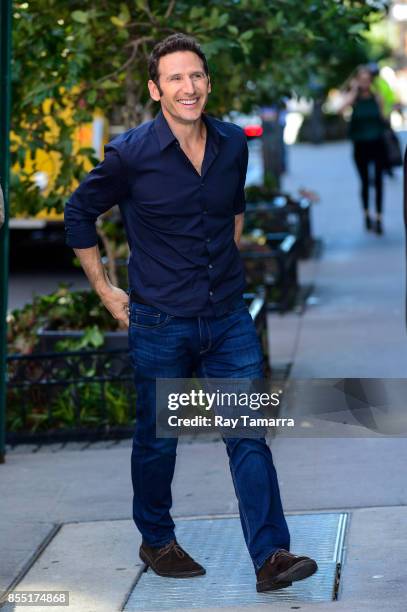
105, 186
240, 200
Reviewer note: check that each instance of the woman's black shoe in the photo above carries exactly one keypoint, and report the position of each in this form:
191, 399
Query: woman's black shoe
379, 228
368, 222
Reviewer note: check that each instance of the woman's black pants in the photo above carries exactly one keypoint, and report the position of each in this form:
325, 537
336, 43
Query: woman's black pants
366, 153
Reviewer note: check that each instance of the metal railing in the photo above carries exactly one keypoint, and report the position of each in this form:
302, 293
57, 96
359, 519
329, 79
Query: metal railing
85, 394
70, 395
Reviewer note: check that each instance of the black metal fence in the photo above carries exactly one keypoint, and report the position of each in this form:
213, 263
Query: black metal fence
70, 395
82, 395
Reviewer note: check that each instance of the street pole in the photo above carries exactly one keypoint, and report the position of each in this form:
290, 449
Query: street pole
5, 98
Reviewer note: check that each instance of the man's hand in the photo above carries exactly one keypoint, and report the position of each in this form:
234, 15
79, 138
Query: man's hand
117, 303
115, 300
354, 87
239, 222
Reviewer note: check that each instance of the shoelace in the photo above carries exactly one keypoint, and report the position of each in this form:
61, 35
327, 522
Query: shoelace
173, 545
282, 551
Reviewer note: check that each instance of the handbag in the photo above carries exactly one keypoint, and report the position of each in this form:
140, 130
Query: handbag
392, 148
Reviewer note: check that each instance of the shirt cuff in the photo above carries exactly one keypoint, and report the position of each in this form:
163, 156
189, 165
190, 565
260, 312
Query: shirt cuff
81, 239
240, 208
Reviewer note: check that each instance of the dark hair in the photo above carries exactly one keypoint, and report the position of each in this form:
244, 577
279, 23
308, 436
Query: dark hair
365, 69
171, 44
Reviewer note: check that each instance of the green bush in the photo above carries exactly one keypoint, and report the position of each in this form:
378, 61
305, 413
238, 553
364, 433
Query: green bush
62, 310
38, 407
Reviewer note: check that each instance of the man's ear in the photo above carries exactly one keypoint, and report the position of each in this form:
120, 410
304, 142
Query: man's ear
154, 91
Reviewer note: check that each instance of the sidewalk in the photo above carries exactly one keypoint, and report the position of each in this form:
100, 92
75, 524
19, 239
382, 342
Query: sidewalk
81, 499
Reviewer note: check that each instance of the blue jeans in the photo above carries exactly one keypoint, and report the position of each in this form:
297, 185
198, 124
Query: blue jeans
166, 346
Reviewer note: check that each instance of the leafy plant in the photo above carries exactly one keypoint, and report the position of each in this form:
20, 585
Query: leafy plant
90, 402
61, 310
72, 406
73, 58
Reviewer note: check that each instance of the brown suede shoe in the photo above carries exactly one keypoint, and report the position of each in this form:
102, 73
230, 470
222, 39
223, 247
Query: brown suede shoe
282, 569
170, 561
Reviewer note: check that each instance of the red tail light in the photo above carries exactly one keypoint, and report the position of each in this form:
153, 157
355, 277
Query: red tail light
253, 131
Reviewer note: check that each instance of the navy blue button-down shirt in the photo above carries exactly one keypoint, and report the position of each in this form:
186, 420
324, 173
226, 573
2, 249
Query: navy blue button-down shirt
179, 224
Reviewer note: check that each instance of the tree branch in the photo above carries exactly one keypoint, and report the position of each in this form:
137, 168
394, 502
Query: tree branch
148, 12
135, 44
169, 9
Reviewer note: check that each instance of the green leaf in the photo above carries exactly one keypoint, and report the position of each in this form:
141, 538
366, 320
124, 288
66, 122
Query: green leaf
93, 336
118, 22
88, 151
196, 12
212, 48
92, 96
246, 48
123, 34
109, 84
124, 12
279, 18
356, 28
223, 19
233, 30
80, 16
246, 35
271, 25
213, 20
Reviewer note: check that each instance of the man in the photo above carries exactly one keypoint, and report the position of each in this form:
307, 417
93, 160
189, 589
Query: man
179, 183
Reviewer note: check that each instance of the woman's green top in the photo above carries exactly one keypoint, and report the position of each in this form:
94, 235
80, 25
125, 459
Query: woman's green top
366, 123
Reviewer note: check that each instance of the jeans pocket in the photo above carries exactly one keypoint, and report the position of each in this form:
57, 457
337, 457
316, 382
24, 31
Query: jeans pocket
147, 317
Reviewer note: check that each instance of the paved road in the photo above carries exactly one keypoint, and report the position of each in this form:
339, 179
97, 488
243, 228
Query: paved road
354, 325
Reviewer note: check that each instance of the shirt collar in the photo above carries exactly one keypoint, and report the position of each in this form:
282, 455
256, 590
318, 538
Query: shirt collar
166, 137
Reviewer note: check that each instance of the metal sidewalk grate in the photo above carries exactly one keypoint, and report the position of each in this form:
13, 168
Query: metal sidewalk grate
218, 544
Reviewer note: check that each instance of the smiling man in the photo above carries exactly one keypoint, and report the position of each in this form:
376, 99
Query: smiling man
179, 183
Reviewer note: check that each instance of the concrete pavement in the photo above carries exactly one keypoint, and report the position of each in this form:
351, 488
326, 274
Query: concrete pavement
353, 326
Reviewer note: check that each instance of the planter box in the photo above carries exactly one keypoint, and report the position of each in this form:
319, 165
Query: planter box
274, 266
114, 341
118, 340
82, 395
284, 214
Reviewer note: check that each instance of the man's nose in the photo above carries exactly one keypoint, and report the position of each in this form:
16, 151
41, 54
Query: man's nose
189, 86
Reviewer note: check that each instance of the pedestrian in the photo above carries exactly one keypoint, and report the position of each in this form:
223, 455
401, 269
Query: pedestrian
366, 130
179, 182
390, 103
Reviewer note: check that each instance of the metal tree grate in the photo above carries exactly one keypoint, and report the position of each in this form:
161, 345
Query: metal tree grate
230, 580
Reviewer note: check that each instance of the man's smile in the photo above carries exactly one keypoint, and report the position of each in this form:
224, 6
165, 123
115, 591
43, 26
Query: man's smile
188, 101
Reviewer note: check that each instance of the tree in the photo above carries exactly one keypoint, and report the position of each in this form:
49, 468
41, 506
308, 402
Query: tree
71, 58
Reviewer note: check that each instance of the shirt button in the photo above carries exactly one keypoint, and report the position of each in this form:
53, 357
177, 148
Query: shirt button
208, 240
211, 293
210, 266
202, 184
205, 212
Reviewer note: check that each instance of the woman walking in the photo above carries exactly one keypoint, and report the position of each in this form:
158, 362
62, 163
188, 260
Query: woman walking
366, 131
